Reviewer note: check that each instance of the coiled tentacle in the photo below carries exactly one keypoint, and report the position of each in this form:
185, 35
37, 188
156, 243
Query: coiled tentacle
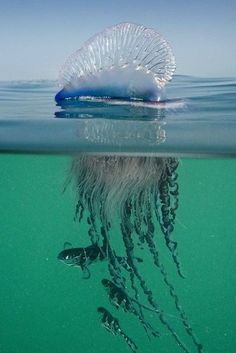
152, 247
168, 187
119, 298
112, 325
135, 188
126, 233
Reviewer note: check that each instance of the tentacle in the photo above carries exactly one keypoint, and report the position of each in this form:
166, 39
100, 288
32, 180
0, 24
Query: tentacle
172, 177
151, 244
137, 209
168, 187
140, 314
136, 226
79, 211
112, 325
91, 220
94, 195
113, 265
129, 342
119, 298
129, 250
80, 178
145, 324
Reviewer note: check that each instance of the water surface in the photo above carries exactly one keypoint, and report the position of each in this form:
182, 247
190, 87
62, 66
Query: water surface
203, 124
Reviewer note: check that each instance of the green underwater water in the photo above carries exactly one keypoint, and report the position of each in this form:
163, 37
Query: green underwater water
46, 306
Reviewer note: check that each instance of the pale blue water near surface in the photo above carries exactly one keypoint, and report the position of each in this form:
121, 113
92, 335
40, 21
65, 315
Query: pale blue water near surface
202, 121
47, 307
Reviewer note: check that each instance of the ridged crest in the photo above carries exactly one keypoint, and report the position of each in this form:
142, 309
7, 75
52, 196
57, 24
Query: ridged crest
122, 55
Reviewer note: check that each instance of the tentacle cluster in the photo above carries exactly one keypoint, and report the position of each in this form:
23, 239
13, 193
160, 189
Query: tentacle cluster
138, 190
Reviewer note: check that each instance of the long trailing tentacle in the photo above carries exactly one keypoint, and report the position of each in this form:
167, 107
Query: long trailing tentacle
156, 258
168, 188
120, 298
140, 307
137, 209
113, 264
112, 325
129, 246
79, 211
146, 325
91, 220
135, 290
104, 182
87, 199
80, 178
140, 314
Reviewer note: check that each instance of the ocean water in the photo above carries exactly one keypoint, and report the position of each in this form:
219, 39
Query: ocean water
46, 306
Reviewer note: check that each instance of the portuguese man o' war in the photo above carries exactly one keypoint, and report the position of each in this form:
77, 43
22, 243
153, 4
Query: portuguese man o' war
138, 195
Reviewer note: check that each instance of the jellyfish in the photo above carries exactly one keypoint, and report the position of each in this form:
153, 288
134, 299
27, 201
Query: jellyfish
127, 64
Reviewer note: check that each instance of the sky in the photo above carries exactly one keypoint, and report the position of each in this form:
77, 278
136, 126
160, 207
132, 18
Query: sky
36, 36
